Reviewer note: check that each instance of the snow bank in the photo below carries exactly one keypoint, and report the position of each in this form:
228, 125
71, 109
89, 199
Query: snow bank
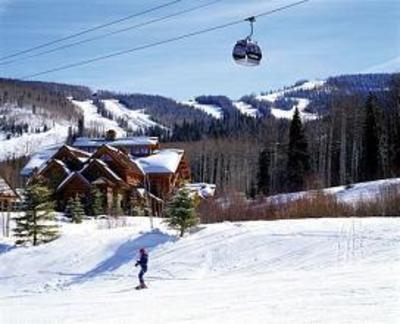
355, 193
300, 271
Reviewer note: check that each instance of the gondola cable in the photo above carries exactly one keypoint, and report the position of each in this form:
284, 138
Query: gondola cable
170, 40
89, 30
119, 31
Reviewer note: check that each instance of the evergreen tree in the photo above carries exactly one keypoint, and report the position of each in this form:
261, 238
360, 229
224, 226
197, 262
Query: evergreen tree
181, 212
35, 226
75, 209
95, 203
263, 175
116, 209
371, 133
298, 164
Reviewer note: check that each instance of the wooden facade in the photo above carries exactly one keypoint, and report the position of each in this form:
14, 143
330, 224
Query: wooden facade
8, 198
116, 174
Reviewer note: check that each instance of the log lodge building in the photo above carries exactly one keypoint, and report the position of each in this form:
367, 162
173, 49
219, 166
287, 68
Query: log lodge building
123, 170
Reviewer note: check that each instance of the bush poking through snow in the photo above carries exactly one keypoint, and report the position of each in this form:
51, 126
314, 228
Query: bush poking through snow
234, 207
181, 213
36, 225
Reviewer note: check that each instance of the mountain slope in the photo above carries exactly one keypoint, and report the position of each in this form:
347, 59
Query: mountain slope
323, 271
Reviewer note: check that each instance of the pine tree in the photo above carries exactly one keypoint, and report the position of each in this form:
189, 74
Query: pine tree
263, 175
371, 133
95, 203
35, 226
298, 164
181, 212
74, 209
116, 209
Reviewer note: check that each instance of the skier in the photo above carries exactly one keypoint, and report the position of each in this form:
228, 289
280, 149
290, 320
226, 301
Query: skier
144, 257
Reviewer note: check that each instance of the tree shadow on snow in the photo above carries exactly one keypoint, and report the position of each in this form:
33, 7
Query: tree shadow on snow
126, 252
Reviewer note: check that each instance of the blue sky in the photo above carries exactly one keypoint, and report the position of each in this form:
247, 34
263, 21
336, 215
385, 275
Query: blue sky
316, 40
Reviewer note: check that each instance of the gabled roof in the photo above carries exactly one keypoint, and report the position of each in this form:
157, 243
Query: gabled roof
104, 166
54, 161
6, 190
118, 156
71, 151
163, 161
39, 159
71, 177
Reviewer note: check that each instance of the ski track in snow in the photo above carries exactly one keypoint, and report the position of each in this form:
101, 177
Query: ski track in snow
289, 271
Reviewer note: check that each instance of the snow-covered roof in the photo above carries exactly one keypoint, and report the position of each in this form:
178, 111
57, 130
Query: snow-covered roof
204, 190
59, 162
123, 141
163, 161
78, 151
39, 159
6, 190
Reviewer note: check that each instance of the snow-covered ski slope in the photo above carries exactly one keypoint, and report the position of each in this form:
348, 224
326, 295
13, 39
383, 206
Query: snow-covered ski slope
136, 119
94, 120
211, 110
289, 271
302, 103
246, 109
29, 143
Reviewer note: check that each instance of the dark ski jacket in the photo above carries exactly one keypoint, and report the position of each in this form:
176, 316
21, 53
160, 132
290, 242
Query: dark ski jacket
144, 258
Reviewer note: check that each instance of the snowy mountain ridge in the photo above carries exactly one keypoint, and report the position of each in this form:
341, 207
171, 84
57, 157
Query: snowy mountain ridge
50, 113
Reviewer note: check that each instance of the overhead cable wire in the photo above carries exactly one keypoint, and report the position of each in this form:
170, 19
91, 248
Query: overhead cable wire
112, 33
158, 43
89, 30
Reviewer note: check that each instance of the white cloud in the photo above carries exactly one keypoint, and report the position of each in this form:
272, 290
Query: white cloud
392, 65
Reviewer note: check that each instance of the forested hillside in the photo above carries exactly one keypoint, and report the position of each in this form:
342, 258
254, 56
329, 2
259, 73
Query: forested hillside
347, 129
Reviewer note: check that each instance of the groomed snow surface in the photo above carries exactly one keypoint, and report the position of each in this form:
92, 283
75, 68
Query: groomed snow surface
211, 110
289, 271
94, 120
302, 103
136, 119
